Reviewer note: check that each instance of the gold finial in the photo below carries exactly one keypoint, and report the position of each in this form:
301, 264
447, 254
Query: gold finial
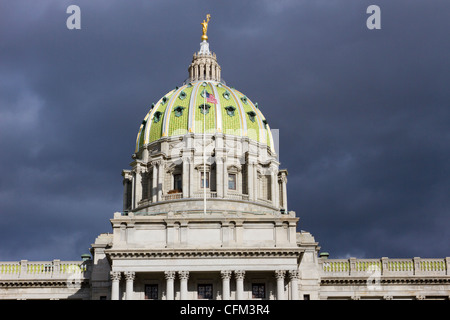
205, 26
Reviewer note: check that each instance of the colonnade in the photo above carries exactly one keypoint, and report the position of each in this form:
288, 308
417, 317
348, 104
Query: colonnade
155, 175
183, 276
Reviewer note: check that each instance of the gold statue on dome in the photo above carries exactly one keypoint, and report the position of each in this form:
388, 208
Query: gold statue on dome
205, 26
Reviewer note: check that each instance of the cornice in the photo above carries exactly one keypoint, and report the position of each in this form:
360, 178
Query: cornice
202, 253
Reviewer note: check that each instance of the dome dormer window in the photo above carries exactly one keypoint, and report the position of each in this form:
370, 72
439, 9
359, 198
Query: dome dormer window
251, 116
230, 110
157, 116
226, 95
182, 95
204, 108
178, 111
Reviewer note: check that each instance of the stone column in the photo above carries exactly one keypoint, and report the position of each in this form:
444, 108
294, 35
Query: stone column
226, 275
202, 72
115, 277
283, 179
133, 190
154, 183
126, 182
279, 274
239, 274
160, 179
185, 177
219, 178
184, 276
219, 157
129, 276
293, 276
250, 182
138, 186
170, 276
192, 183
208, 71
224, 176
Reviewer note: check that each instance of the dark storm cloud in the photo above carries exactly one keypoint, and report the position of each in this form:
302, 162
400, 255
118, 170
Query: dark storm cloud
363, 115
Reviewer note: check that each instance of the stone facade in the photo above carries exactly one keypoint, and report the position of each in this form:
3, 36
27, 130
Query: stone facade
205, 216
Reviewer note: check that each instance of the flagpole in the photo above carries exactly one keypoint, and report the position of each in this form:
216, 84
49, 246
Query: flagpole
204, 152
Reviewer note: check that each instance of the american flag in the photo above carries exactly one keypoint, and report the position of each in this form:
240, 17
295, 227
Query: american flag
210, 98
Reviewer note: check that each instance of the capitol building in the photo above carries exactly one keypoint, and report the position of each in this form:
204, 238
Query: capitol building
205, 216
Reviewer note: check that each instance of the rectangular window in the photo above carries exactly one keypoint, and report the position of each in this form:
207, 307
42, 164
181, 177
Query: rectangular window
202, 180
205, 291
177, 182
151, 292
232, 181
258, 291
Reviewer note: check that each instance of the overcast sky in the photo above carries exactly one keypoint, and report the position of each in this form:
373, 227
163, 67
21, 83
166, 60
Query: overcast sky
364, 115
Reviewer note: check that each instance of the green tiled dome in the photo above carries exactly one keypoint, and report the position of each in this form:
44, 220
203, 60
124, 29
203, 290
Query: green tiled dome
183, 110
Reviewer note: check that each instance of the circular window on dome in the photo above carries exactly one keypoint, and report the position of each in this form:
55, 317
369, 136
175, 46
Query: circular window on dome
204, 108
244, 99
164, 100
227, 95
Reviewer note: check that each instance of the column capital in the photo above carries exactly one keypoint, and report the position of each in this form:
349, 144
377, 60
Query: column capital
293, 274
169, 275
239, 274
279, 274
225, 274
130, 275
184, 275
115, 275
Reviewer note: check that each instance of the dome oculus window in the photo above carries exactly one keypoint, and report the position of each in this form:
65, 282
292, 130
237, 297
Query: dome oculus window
244, 99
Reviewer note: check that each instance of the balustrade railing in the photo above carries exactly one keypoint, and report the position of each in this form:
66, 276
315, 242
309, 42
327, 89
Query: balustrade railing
173, 196
236, 196
209, 194
384, 266
55, 269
